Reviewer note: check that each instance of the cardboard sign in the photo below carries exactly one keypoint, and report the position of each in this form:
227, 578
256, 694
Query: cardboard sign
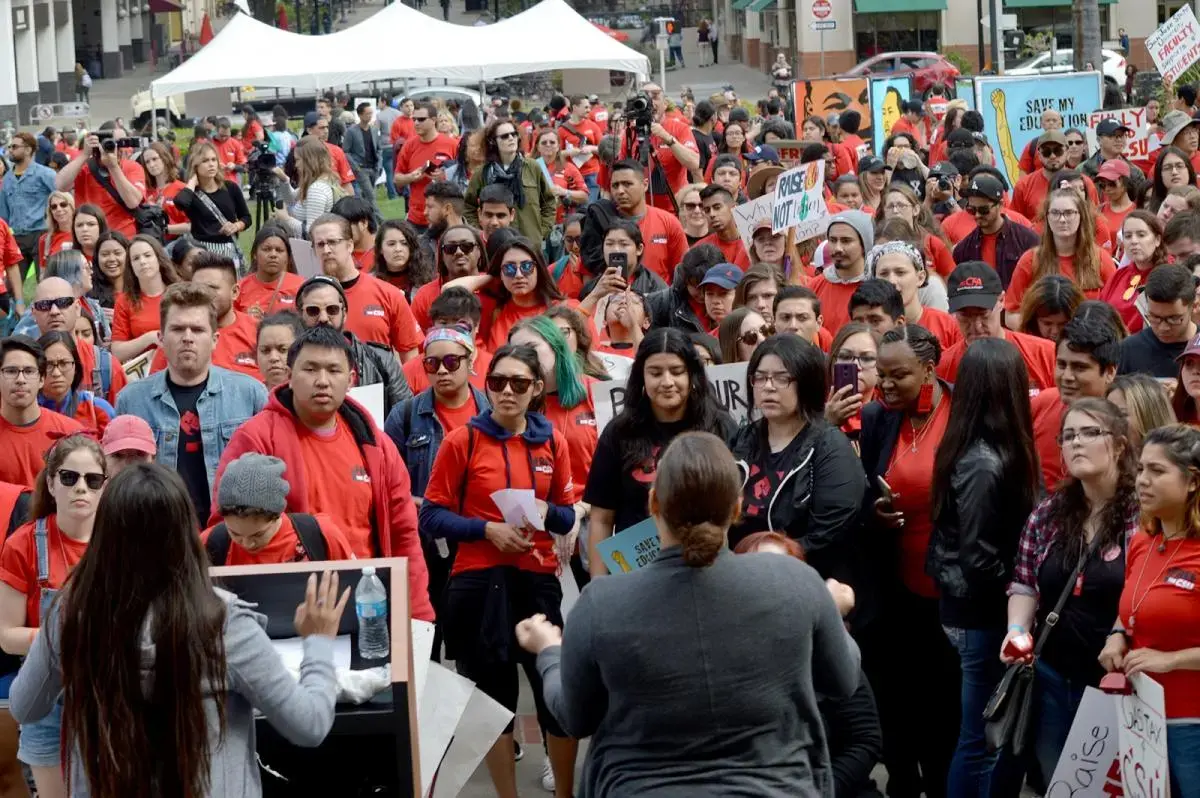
1140, 145
747, 216
726, 381
964, 89
1090, 765
1012, 110
800, 201
887, 94
1175, 46
630, 549
1142, 736
823, 97
789, 151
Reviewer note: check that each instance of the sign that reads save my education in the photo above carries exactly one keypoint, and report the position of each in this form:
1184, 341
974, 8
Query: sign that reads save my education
800, 201
1175, 46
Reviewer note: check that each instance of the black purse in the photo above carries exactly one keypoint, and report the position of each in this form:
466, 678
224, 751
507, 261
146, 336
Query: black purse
1009, 712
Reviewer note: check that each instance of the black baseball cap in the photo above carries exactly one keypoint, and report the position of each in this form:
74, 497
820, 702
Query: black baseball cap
870, 163
984, 186
1111, 127
973, 284
944, 169
960, 138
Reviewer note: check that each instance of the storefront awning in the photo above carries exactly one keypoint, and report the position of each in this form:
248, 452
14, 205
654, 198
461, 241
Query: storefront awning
740, 5
164, 6
760, 5
1047, 3
897, 6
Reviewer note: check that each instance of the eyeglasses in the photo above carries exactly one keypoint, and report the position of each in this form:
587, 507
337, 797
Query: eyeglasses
465, 247
692, 206
864, 361
496, 383
1165, 321
980, 210
57, 206
12, 372
62, 303
68, 478
525, 267
778, 379
314, 311
571, 239
752, 337
1070, 213
421, 118
451, 362
1084, 435
61, 366
512, 134
897, 207
1176, 166
330, 244
1051, 150
1074, 142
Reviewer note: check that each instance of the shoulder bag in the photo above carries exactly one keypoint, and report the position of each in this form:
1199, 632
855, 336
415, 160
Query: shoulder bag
149, 219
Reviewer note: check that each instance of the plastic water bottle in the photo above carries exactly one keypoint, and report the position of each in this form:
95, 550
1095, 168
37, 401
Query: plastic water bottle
370, 602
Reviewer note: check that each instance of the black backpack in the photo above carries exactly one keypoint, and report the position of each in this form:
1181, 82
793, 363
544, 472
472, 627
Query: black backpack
598, 218
307, 529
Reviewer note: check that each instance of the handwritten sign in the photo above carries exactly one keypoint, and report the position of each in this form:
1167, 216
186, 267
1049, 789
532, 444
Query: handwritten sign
1175, 46
800, 201
727, 382
789, 151
1142, 736
748, 215
1140, 145
1089, 766
630, 549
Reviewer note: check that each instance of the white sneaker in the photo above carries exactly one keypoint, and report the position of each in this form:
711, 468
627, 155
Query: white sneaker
547, 775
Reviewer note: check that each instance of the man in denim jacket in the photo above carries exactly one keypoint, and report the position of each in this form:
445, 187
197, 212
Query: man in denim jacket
193, 407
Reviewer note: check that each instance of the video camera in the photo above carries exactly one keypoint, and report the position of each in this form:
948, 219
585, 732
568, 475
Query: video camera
260, 166
108, 143
639, 112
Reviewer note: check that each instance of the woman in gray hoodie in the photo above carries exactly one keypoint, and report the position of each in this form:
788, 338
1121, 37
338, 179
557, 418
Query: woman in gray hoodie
158, 673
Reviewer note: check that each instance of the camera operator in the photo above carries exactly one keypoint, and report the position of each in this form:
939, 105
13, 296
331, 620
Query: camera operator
672, 151
941, 190
101, 176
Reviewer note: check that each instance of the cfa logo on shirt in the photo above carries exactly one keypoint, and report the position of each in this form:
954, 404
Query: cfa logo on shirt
360, 475
542, 465
585, 419
658, 239
1184, 580
375, 311
245, 359
287, 299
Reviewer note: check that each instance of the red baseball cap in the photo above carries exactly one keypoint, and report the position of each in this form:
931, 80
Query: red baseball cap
1112, 169
128, 433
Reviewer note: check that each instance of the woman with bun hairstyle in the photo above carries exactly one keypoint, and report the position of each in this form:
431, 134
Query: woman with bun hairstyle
648, 702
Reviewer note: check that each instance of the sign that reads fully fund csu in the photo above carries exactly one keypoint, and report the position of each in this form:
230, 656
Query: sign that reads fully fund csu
800, 201
1175, 46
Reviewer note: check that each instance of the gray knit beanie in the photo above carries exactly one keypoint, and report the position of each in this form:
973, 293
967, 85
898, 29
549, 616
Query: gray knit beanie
255, 481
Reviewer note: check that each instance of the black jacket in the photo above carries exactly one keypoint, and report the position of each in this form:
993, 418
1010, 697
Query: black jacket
817, 502
974, 543
376, 363
855, 741
645, 282
1011, 243
670, 308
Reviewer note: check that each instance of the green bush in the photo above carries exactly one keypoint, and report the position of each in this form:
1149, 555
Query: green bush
961, 64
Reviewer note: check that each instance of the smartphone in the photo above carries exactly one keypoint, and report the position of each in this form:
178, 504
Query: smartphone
278, 205
430, 166
884, 488
619, 260
845, 374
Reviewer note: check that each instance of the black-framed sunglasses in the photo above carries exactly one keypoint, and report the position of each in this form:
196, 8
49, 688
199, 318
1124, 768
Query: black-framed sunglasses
979, 210
62, 303
68, 478
525, 267
752, 337
314, 311
571, 239
465, 247
1051, 150
512, 134
421, 118
496, 383
451, 362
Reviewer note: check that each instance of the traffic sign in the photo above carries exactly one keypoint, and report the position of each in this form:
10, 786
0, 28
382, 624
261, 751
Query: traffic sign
823, 24
821, 9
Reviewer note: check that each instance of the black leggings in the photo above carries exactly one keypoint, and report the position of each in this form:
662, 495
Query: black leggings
486, 606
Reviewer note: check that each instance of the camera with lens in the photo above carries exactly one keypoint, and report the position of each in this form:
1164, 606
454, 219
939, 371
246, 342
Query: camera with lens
639, 112
943, 183
260, 165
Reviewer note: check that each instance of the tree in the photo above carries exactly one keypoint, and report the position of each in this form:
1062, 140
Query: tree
1087, 41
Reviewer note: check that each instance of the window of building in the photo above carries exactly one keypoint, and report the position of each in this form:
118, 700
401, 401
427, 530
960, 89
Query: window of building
1055, 19
884, 33
1168, 7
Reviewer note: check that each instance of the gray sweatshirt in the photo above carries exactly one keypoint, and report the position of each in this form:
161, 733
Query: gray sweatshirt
302, 712
702, 682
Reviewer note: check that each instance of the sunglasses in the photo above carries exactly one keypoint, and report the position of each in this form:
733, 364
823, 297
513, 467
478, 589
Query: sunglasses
1051, 150
571, 239
421, 118
465, 247
496, 383
1074, 142
62, 303
56, 206
979, 210
752, 337
68, 478
451, 362
314, 311
506, 136
692, 206
525, 267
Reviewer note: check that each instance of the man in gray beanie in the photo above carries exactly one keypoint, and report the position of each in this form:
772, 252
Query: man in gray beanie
252, 497
848, 238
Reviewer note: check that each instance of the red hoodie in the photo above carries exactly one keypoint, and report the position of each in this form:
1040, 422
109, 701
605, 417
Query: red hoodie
273, 432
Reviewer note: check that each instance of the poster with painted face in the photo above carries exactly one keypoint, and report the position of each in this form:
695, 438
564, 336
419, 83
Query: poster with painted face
888, 96
823, 97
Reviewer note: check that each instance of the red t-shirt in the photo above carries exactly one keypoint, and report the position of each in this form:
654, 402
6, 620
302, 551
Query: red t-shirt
87, 361
572, 279
1121, 292
835, 301
262, 299
130, 322
1115, 220
733, 250
59, 242
910, 474
339, 485
416, 153
588, 134
365, 259
1048, 410
230, 153
941, 324
961, 224
237, 346
285, 546
25, 447
451, 418
341, 164
987, 248
10, 251
675, 172
19, 566
379, 312
1038, 354
88, 190
418, 380
505, 318
489, 471
1160, 608
1030, 193
1023, 277
578, 426
427, 294
402, 129
666, 243
939, 255
166, 198
569, 177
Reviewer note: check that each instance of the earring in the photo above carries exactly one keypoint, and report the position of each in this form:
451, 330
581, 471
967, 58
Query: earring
925, 399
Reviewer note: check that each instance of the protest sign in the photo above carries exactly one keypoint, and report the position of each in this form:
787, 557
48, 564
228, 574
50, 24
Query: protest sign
1142, 738
964, 89
1175, 46
789, 151
726, 381
823, 97
800, 201
747, 215
887, 95
307, 264
1089, 766
480, 724
630, 549
371, 398
1138, 146
1012, 110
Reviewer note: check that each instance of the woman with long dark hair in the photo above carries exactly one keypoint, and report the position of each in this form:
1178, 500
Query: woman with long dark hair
667, 393
273, 282
400, 259
148, 272
858, 345
534, 202
1142, 235
522, 286
1047, 306
740, 334
108, 267
1173, 169
985, 484
88, 224
60, 388
1090, 516
188, 729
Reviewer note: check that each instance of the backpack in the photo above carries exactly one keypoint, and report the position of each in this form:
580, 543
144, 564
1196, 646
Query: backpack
307, 529
102, 374
597, 219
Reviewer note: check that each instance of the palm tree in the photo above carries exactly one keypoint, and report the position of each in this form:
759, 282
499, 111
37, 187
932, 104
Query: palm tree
1087, 45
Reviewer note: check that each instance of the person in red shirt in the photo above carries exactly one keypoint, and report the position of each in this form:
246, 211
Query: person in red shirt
363, 227
421, 161
1142, 237
460, 309
910, 122
580, 137
1114, 183
252, 498
60, 218
63, 391
675, 147
403, 128
1032, 189
510, 447
850, 236
63, 511
237, 333
163, 184
567, 183
900, 201
85, 174
338, 462
135, 315
662, 233
900, 264
723, 233
994, 238
525, 289
1031, 156
276, 334
55, 308
230, 152
977, 302
272, 284
27, 430
850, 122
1157, 631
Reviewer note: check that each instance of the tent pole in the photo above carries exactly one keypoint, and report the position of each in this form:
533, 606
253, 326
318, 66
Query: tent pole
482, 94
153, 115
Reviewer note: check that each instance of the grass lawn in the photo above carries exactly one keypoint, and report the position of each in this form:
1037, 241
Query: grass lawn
391, 209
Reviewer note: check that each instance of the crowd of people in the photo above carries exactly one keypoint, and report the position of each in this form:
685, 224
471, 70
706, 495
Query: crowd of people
973, 412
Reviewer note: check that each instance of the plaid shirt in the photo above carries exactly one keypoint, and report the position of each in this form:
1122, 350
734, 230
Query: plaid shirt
1040, 531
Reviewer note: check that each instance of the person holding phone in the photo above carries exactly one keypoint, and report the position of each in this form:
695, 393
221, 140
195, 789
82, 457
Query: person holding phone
624, 269
853, 377
897, 608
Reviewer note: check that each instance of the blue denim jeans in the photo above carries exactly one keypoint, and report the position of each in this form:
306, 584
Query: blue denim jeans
1183, 758
593, 187
1056, 698
972, 768
387, 161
